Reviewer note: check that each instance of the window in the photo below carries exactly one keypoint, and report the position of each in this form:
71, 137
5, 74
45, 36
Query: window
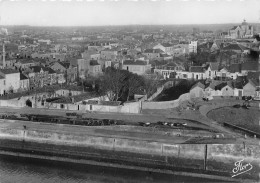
226, 89
4, 82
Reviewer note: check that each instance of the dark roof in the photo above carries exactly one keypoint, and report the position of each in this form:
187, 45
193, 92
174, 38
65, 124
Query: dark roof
196, 69
65, 64
38, 69
238, 85
23, 77
94, 62
50, 70
25, 61
134, 62
199, 84
250, 66
253, 75
221, 85
235, 47
166, 45
8, 71
213, 66
233, 28
2, 77
234, 68
153, 51
205, 45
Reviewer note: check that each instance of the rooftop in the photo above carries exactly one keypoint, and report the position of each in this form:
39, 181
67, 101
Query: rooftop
134, 62
8, 71
196, 69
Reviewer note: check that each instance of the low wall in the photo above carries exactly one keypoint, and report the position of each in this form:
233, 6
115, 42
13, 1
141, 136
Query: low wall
217, 157
133, 107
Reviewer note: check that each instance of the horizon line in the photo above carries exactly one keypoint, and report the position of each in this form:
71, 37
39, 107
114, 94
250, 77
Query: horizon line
124, 25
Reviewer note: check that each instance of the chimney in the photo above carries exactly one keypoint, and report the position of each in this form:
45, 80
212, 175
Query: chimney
3, 55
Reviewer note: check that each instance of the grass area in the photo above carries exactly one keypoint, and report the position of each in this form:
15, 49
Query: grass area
246, 118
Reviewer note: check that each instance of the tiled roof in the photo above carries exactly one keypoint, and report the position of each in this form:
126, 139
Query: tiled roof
8, 71
132, 62
196, 69
250, 66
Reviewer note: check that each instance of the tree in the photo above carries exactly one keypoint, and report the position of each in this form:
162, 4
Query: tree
151, 83
134, 83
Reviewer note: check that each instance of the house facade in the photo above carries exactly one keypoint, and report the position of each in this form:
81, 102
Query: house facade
139, 67
10, 80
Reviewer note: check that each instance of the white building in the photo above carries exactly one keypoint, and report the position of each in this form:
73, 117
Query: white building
193, 47
10, 81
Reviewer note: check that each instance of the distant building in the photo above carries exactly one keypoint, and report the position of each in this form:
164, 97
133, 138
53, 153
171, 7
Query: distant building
10, 81
193, 47
139, 67
241, 31
165, 47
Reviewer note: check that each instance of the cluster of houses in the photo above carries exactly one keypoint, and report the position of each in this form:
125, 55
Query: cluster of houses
220, 88
57, 58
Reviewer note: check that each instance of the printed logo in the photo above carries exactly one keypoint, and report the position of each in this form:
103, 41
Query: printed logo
240, 168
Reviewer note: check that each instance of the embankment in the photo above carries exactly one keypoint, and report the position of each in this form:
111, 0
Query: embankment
126, 151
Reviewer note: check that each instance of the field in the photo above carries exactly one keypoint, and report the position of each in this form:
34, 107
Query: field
246, 118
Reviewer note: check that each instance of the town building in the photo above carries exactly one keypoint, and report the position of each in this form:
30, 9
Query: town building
242, 31
193, 45
10, 81
139, 67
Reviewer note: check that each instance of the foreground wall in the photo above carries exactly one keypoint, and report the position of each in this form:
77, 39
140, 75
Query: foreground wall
212, 157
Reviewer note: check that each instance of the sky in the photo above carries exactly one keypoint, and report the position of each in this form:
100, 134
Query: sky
123, 12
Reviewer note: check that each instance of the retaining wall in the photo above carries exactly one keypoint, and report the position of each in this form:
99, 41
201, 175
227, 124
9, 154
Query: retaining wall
217, 157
